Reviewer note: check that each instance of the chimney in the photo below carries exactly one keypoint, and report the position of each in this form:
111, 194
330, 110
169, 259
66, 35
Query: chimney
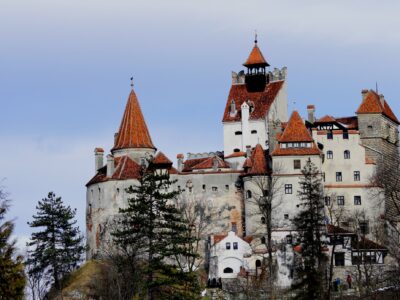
215, 163
364, 93
110, 165
311, 111
180, 158
115, 137
234, 78
248, 151
98, 158
382, 99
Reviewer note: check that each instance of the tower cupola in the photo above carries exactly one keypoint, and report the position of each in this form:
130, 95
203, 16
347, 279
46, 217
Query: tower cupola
256, 76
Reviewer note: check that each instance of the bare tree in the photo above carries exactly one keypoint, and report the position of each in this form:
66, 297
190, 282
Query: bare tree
267, 197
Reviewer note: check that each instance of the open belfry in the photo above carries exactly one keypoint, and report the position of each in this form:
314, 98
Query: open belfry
261, 139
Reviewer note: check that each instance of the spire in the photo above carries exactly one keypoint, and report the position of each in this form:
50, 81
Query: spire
295, 130
256, 58
133, 132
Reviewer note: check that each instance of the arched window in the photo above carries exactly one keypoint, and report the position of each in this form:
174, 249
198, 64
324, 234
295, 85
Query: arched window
262, 220
329, 154
346, 154
248, 194
228, 270
263, 240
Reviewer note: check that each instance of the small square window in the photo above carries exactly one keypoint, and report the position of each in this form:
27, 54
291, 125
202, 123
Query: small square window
288, 189
226, 187
327, 201
286, 216
338, 176
329, 154
235, 245
364, 228
329, 135
228, 246
340, 200
357, 200
357, 176
346, 154
345, 135
297, 164
214, 189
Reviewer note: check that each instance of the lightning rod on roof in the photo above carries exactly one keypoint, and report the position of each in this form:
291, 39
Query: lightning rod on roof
132, 83
255, 36
376, 87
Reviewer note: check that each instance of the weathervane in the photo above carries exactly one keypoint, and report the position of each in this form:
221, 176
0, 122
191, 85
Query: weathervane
132, 83
255, 36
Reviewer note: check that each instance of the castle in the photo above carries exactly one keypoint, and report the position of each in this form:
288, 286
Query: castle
259, 138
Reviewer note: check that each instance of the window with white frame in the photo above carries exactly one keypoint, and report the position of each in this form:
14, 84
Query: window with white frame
288, 189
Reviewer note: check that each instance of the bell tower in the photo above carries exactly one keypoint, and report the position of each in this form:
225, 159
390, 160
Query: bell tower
256, 77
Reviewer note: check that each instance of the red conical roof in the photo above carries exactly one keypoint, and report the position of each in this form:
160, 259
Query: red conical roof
295, 130
256, 58
133, 132
259, 162
372, 104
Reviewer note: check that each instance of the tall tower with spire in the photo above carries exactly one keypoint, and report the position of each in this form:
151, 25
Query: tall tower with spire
256, 77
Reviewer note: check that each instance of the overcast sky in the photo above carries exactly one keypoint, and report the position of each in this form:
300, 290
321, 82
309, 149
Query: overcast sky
65, 67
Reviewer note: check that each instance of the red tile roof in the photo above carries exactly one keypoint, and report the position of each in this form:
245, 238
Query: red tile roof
366, 244
100, 150
262, 100
326, 119
209, 163
350, 122
295, 130
372, 104
258, 162
256, 58
236, 154
161, 159
133, 132
296, 151
125, 168
188, 164
332, 229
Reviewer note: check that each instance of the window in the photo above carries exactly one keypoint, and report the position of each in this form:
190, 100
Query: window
356, 175
346, 154
339, 259
345, 135
236, 150
338, 176
288, 189
327, 200
297, 164
289, 239
323, 176
357, 200
228, 270
228, 246
263, 240
254, 132
286, 216
329, 154
238, 133
190, 190
340, 200
235, 245
329, 135
248, 194
262, 220
258, 263
364, 228
226, 187
204, 187
214, 189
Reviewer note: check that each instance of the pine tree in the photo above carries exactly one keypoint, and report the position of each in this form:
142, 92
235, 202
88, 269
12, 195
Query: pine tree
57, 248
12, 276
156, 228
309, 224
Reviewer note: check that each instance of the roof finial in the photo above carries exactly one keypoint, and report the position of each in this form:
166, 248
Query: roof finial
132, 83
255, 36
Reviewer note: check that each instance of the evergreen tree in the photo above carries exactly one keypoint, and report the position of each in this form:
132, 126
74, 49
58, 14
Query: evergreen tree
155, 227
12, 276
309, 224
57, 248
